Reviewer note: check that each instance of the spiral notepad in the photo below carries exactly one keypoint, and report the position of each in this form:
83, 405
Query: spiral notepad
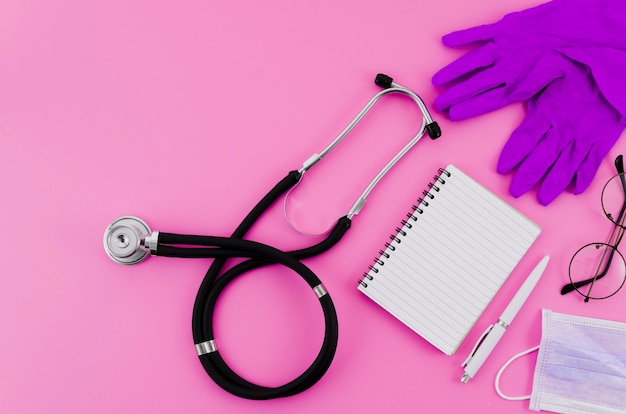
448, 258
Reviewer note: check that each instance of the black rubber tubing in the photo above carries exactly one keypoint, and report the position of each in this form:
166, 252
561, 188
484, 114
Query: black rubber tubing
259, 254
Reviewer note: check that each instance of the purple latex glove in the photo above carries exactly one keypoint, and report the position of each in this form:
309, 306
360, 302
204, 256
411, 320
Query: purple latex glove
514, 60
569, 129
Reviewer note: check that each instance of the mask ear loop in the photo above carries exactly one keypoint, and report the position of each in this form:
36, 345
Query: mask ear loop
505, 366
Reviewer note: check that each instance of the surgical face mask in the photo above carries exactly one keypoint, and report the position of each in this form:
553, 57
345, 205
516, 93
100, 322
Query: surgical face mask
581, 366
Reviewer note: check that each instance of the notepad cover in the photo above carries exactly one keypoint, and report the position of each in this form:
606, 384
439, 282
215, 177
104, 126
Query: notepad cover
449, 259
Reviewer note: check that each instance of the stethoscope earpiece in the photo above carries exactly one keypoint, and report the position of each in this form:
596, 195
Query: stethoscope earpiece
433, 130
384, 81
122, 240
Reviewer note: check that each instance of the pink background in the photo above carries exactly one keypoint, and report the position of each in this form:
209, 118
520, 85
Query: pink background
185, 113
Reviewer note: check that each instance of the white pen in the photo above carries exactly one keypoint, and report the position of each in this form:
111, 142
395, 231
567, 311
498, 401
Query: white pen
489, 339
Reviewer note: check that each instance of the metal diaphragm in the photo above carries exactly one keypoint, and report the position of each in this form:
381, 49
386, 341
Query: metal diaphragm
122, 240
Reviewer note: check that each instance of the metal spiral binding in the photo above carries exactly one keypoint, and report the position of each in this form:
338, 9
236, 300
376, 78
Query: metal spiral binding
433, 187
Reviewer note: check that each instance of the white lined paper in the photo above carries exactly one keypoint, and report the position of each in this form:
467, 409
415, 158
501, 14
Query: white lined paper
440, 277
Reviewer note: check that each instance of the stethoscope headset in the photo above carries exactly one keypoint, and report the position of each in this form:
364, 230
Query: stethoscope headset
129, 240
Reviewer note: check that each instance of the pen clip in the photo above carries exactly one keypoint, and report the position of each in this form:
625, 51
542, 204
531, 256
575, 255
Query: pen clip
477, 345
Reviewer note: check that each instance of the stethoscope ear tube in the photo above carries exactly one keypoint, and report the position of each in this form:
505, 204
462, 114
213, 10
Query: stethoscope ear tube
212, 286
129, 240
226, 378
261, 254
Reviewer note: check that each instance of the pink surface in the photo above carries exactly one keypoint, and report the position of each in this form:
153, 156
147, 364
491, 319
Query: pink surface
185, 114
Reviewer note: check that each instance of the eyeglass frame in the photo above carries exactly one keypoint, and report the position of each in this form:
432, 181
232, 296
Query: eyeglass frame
616, 234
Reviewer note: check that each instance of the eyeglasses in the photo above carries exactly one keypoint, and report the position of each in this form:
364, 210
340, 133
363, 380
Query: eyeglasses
598, 270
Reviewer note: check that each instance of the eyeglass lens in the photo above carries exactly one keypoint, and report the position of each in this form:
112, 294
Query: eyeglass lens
602, 266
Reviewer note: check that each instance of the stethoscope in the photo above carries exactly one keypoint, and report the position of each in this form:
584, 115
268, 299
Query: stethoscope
129, 240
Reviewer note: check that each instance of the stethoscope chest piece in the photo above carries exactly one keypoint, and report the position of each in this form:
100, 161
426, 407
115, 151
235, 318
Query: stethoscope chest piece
122, 240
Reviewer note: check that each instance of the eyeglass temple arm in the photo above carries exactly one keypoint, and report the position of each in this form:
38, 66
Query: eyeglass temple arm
619, 166
570, 287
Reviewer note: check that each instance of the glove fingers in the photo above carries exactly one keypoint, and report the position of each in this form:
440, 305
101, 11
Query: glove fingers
466, 36
561, 173
537, 163
522, 141
480, 83
587, 171
489, 95
478, 105
473, 60
589, 166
